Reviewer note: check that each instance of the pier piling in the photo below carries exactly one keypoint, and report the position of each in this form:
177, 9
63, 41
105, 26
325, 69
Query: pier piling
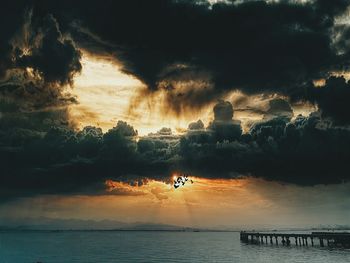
340, 239
321, 242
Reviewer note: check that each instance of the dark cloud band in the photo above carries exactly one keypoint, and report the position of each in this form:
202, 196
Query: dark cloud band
304, 151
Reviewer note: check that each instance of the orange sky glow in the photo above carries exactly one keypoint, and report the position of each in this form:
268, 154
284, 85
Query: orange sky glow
106, 95
205, 203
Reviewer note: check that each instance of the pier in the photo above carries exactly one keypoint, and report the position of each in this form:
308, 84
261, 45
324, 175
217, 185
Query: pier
322, 239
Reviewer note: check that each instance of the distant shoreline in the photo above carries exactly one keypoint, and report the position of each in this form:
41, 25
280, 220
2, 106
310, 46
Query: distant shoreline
152, 230
112, 230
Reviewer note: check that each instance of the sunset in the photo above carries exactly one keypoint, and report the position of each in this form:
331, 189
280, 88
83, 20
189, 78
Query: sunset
219, 128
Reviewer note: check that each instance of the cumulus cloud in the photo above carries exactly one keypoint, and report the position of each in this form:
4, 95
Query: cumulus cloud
164, 131
122, 128
198, 125
223, 111
223, 126
63, 161
279, 108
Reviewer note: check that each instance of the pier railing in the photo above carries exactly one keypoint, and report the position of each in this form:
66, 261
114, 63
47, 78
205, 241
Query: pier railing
336, 239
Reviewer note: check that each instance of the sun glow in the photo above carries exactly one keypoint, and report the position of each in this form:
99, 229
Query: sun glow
244, 202
103, 92
191, 203
106, 95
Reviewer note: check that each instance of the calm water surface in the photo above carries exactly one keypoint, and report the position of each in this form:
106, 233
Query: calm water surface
106, 247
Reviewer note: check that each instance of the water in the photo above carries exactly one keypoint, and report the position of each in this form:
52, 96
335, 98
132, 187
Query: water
108, 247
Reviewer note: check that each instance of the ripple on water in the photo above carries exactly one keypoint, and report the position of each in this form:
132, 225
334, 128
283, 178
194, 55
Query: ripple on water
108, 247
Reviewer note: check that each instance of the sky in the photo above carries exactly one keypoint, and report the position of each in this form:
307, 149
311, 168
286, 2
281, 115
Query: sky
103, 104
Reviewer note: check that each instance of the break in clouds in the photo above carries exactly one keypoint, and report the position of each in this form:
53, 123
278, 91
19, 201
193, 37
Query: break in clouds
194, 52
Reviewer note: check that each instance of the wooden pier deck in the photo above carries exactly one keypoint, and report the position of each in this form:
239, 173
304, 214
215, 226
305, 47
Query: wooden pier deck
333, 239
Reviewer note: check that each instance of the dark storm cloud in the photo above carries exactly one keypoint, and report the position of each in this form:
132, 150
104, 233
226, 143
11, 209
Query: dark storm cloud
10, 22
254, 46
55, 59
250, 45
33, 41
303, 151
61, 161
332, 99
36, 59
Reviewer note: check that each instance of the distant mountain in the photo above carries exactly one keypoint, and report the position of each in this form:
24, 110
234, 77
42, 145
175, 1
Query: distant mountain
43, 223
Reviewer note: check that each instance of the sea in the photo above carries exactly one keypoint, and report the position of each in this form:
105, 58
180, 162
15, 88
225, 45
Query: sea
152, 246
